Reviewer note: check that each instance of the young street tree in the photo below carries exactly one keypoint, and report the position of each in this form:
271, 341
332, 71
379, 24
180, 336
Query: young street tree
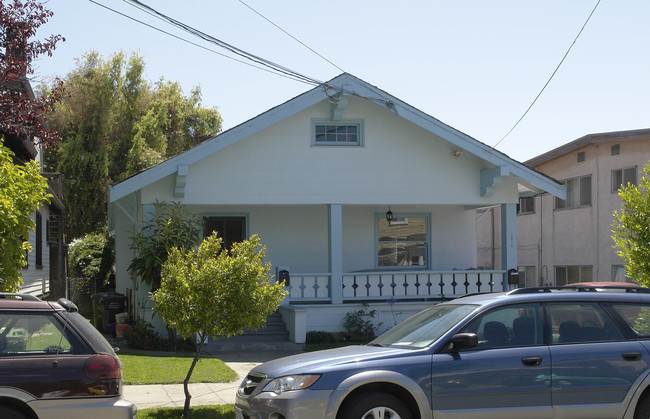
22, 188
212, 292
631, 228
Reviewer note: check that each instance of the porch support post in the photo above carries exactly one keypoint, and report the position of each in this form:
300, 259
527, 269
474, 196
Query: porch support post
508, 239
335, 212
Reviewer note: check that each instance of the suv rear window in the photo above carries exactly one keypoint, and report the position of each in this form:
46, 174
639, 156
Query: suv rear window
34, 334
94, 338
581, 322
636, 316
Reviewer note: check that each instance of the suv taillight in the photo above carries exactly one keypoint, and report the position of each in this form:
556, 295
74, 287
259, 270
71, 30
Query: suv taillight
102, 367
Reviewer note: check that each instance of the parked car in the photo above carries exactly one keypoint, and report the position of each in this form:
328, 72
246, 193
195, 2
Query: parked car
55, 364
531, 352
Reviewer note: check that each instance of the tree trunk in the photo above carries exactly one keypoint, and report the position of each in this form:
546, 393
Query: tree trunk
186, 382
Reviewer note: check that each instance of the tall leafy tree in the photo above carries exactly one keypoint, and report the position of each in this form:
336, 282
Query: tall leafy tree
203, 291
631, 228
113, 124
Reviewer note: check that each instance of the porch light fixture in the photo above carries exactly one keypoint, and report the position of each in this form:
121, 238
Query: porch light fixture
389, 215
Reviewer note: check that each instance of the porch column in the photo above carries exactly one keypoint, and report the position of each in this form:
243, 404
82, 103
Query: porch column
508, 239
335, 212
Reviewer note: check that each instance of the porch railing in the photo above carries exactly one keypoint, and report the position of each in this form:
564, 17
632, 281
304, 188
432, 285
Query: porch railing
395, 285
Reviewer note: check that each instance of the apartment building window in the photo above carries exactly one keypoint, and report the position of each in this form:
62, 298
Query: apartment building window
572, 274
619, 274
623, 177
526, 205
578, 193
581, 157
616, 149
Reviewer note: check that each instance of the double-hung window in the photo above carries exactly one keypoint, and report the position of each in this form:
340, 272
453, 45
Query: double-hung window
571, 274
623, 177
402, 242
337, 133
578, 193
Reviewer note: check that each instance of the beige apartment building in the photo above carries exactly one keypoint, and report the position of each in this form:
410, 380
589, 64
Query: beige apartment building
568, 241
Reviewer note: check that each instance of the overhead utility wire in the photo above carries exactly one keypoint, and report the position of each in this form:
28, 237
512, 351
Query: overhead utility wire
185, 40
293, 37
270, 64
552, 75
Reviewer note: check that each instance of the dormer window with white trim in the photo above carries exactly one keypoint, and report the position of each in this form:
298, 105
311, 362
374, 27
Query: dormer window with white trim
339, 133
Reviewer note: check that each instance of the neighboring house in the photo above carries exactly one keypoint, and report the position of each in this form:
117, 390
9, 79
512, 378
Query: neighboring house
45, 273
316, 177
569, 240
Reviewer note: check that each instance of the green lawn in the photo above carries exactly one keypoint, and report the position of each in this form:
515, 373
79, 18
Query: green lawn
226, 411
147, 369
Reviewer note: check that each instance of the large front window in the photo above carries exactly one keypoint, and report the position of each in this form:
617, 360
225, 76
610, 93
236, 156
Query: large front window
402, 242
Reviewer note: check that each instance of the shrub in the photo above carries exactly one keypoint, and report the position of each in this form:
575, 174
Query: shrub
360, 324
142, 336
317, 337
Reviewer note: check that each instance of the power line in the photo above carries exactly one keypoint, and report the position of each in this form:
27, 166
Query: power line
183, 39
293, 37
552, 75
252, 57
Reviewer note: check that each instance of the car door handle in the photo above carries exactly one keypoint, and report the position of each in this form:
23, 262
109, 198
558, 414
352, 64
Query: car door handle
532, 361
631, 356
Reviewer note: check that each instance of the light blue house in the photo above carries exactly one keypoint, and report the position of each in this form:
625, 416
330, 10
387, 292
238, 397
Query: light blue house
317, 177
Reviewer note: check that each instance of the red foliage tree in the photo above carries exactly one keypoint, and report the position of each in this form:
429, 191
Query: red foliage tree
22, 114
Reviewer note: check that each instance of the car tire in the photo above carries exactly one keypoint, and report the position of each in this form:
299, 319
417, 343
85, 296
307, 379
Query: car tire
642, 410
10, 413
375, 406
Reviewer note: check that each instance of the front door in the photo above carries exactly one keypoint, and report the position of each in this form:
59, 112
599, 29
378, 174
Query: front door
506, 376
230, 229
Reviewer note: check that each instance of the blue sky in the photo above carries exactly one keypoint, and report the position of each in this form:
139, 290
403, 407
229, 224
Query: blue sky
473, 64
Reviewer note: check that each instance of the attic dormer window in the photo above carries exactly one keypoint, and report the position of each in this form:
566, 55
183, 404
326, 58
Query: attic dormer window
339, 133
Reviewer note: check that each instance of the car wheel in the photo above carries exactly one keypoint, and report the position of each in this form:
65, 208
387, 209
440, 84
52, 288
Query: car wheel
10, 413
642, 410
375, 406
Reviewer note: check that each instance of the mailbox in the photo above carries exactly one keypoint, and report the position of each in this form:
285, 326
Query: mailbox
283, 275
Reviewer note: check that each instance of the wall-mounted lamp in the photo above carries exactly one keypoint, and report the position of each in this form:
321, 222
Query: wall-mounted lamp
389, 215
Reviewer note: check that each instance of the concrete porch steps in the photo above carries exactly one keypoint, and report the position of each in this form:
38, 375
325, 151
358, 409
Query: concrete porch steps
272, 337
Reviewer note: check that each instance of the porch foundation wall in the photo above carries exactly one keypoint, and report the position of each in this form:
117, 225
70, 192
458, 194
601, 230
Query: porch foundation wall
301, 319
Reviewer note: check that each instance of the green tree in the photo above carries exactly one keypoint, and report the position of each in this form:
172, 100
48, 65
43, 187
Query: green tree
170, 226
93, 258
22, 191
204, 290
631, 228
113, 124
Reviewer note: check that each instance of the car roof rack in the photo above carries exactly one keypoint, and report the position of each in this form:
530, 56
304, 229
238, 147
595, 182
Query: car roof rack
18, 296
581, 288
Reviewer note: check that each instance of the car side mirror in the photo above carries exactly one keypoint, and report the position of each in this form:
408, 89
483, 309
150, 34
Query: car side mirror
464, 340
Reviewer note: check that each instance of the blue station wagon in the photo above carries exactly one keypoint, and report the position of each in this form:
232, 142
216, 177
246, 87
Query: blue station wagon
579, 352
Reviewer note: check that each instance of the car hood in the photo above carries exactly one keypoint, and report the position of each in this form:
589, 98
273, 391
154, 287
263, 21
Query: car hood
326, 360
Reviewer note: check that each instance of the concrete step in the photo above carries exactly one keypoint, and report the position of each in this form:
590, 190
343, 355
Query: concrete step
273, 336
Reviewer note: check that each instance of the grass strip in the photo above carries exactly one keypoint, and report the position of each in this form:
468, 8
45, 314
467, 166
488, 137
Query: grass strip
147, 369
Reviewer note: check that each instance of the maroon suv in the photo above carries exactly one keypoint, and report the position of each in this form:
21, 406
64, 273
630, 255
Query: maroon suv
55, 364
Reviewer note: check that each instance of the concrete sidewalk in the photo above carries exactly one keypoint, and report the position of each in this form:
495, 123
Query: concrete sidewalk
172, 395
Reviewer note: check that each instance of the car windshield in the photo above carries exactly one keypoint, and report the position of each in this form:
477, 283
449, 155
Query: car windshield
425, 327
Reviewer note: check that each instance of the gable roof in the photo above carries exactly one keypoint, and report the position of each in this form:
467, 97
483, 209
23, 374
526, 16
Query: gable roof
344, 84
604, 137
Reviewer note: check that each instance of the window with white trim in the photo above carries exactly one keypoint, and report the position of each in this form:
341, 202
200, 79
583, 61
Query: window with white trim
572, 274
578, 193
402, 242
623, 177
339, 133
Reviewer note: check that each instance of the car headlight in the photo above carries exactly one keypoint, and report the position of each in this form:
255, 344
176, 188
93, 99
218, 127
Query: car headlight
290, 383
